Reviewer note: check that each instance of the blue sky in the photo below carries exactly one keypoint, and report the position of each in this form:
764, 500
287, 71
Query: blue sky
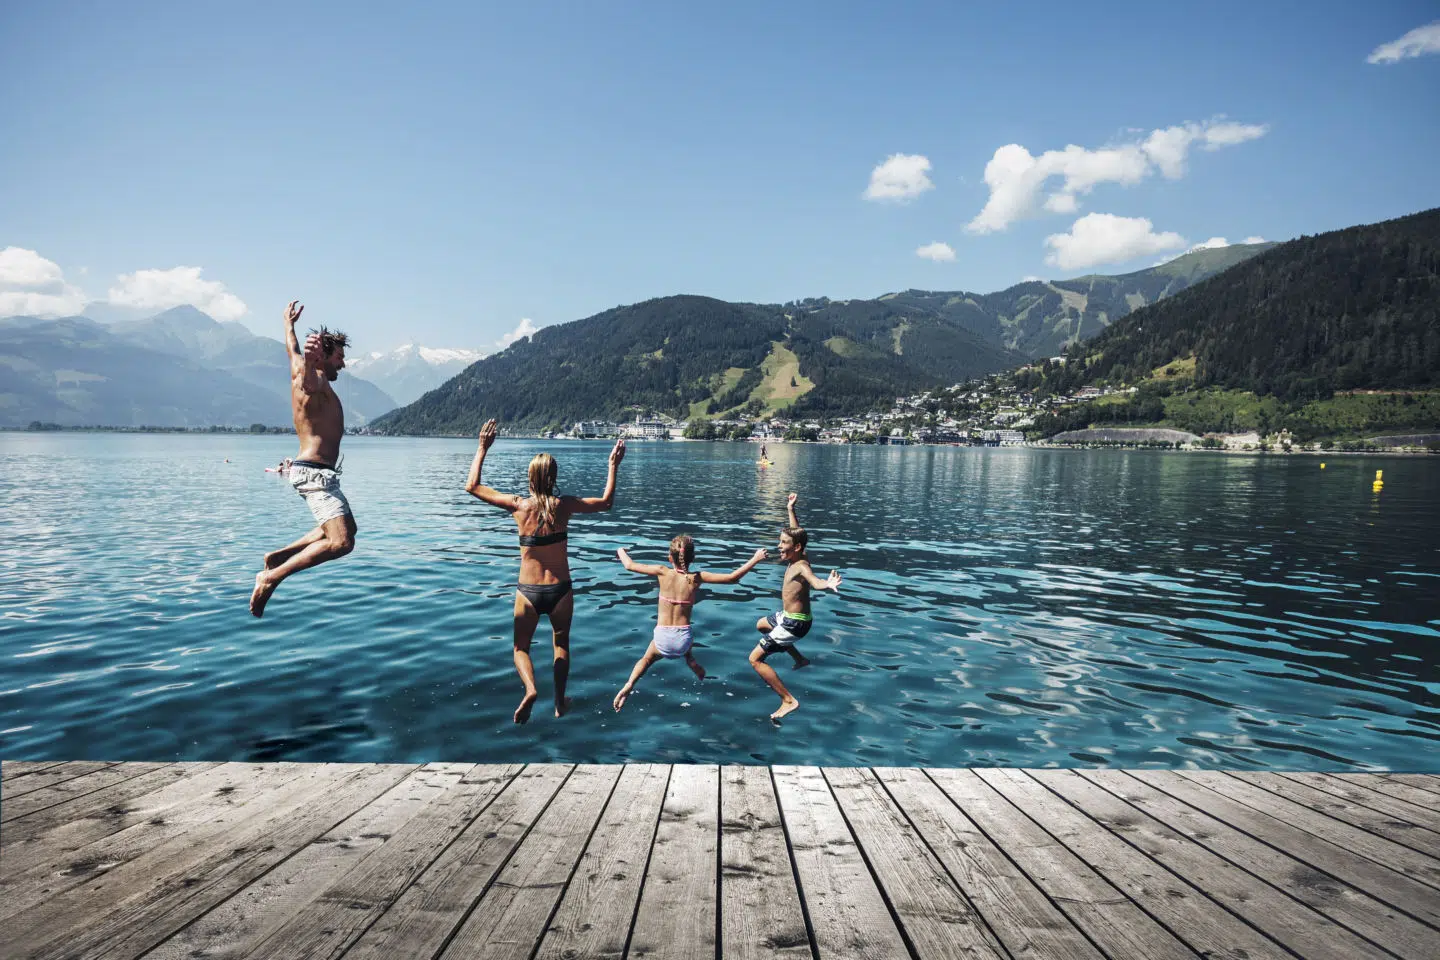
441, 175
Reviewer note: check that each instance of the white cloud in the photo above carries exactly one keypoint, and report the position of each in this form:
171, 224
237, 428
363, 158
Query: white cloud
902, 177
1098, 238
1017, 178
163, 289
937, 251
1255, 239
1417, 42
31, 285
522, 330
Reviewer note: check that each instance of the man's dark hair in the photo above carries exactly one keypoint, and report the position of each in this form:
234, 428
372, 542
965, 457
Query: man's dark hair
331, 340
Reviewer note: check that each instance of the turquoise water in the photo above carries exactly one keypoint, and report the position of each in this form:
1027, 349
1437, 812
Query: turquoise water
1012, 607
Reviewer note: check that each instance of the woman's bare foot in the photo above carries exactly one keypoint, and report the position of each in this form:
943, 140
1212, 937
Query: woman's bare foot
261, 594
522, 712
562, 707
695, 665
786, 706
622, 696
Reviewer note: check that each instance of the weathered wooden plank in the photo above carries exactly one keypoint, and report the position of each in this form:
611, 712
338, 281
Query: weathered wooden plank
185, 813
1400, 831
1389, 785
1378, 922
329, 923
132, 909
595, 916
38, 800
760, 912
1018, 913
513, 914
1362, 793
1429, 782
58, 828
848, 915
10, 769
677, 916
1293, 925
1186, 911
1417, 866
20, 786
1096, 906
419, 923
935, 916
1380, 882
237, 926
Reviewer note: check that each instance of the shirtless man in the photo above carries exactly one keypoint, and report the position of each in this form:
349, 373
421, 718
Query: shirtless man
319, 423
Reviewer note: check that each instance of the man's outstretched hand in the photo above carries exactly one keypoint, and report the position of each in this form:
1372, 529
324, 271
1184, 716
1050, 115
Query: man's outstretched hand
293, 311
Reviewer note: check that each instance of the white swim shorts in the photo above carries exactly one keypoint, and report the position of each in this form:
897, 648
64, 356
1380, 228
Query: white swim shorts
320, 486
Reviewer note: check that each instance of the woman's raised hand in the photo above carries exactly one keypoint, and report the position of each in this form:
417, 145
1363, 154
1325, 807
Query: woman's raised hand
488, 433
617, 454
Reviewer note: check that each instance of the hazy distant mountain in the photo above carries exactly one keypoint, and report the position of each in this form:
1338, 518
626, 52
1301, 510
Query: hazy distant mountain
180, 368
1041, 318
411, 371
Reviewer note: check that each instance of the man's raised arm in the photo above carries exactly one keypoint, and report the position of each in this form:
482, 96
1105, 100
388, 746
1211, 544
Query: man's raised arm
303, 363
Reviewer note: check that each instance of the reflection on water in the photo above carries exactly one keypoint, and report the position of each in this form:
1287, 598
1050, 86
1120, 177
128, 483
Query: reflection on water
1007, 607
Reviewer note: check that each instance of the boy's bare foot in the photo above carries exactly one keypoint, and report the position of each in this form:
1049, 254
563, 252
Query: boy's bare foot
801, 662
562, 707
699, 670
522, 712
786, 706
622, 696
261, 594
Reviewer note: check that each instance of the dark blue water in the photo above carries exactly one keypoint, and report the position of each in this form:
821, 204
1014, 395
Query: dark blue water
1008, 607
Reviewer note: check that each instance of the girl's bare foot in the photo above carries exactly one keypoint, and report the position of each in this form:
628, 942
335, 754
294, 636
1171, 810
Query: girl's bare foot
695, 665
522, 712
562, 707
621, 697
261, 594
786, 706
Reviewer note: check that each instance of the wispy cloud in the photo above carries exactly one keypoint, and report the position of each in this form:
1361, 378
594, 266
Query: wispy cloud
31, 285
901, 178
1017, 178
163, 289
522, 330
937, 251
1098, 238
1416, 43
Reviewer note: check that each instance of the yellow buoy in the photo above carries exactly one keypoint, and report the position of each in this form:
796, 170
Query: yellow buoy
1379, 476
1322, 466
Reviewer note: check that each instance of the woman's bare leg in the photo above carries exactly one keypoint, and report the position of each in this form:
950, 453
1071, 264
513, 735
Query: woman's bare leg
560, 618
768, 674
646, 661
526, 619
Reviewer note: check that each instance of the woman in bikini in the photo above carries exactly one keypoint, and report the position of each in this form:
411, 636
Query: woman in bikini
679, 592
544, 586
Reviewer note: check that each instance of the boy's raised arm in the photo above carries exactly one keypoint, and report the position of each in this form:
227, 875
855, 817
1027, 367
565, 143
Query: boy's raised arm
790, 509
830, 583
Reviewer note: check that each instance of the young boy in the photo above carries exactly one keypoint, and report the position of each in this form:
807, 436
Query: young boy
792, 621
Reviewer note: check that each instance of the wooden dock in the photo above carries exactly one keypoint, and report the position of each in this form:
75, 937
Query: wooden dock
451, 860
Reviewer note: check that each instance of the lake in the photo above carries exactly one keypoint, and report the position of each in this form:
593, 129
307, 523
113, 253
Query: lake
1008, 607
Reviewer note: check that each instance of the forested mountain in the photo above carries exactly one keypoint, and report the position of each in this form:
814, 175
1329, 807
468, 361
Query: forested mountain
1041, 318
178, 369
688, 355
1353, 308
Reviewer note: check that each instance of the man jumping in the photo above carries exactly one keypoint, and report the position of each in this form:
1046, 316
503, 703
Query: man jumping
319, 423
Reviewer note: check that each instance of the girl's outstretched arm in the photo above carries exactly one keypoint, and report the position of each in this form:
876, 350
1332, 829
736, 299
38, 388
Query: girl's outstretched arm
648, 569
607, 499
734, 575
473, 486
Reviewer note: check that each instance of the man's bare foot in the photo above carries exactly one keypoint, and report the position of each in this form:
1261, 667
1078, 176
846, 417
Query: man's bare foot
786, 706
522, 712
802, 662
562, 707
261, 594
622, 696
699, 670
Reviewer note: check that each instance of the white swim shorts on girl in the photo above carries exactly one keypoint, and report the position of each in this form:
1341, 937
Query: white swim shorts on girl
673, 642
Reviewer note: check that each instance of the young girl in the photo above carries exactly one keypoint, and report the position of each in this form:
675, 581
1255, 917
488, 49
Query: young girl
679, 592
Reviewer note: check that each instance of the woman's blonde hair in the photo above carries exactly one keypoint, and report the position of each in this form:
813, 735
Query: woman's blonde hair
542, 488
682, 554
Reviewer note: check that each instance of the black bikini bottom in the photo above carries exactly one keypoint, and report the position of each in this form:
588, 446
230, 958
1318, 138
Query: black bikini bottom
544, 596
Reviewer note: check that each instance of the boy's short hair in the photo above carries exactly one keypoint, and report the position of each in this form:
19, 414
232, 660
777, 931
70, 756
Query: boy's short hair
331, 340
797, 536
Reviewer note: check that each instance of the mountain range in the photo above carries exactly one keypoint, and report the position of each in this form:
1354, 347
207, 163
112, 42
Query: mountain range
410, 371
179, 368
688, 356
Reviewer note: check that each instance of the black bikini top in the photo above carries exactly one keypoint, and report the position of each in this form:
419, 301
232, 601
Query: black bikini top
542, 540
